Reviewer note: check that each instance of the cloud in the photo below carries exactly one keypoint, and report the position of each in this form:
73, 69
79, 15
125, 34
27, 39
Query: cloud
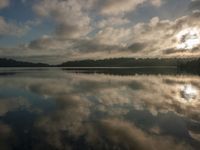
162, 94
78, 24
49, 43
99, 29
4, 3
12, 29
112, 36
70, 113
119, 134
112, 22
136, 47
194, 5
71, 16
11, 104
156, 38
194, 135
117, 7
108, 110
5, 134
161, 35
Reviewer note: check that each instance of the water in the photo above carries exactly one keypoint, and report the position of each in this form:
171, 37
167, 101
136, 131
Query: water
59, 109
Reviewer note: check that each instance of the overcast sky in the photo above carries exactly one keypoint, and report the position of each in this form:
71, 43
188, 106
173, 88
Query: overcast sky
54, 31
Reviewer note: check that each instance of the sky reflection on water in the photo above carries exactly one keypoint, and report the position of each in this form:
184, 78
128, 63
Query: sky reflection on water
58, 110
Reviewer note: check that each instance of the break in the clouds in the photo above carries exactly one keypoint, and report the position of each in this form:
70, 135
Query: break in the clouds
78, 29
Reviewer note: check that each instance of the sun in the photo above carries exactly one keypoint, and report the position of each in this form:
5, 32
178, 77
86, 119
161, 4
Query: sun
188, 38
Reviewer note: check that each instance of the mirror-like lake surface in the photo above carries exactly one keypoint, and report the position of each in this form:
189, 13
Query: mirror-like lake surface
55, 109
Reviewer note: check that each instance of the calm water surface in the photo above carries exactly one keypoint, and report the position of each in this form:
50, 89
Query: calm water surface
55, 109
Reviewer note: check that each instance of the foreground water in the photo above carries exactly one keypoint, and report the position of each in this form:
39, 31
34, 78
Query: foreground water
55, 109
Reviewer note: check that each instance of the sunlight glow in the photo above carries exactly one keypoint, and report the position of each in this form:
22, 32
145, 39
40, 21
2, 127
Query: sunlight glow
189, 92
188, 38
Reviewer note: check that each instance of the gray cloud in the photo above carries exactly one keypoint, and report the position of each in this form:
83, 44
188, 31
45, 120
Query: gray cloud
70, 114
160, 35
4, 3
100, 29
194, 5
124, 135
112, 21
11, 104
136, 47
194, 135
72, 23
116, 7
157, 39
12, 29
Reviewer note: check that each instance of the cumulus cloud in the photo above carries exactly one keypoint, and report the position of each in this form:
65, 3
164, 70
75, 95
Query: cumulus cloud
119, 134
112, 22
12, 29
101, 29
78, 24
156, 38
70, 15
195, 135
4, 3
71, 112
116, 7
161, 35
112, 36
194, 5
12, 104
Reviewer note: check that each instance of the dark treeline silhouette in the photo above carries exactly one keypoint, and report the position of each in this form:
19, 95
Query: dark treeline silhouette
126, 62
188, 65
13, 63
183, 65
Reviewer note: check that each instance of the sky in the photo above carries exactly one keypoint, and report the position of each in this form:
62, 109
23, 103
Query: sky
54, 31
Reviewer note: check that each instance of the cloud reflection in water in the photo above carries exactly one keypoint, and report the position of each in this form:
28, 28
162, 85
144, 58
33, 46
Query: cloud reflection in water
107, 112
189, 92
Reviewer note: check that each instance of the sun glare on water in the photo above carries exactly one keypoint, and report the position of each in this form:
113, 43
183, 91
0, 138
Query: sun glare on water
189, 92
188, 38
